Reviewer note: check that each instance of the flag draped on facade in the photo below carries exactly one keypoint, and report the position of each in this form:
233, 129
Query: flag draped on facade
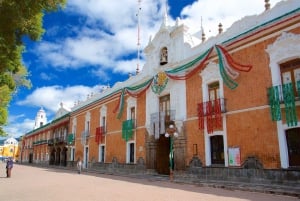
187, 70
274, 101
227, 67
99, 134
134, 91
211, 110
127, 129
289, 102
70, 138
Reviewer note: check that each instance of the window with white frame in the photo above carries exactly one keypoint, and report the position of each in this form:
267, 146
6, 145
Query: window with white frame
130, 158
87, 123
101, 153
290, 73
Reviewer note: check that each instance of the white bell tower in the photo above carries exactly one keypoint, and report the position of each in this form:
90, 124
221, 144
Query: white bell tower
40, 118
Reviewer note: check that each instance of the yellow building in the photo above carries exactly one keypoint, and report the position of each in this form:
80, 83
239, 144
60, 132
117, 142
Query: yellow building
10, 149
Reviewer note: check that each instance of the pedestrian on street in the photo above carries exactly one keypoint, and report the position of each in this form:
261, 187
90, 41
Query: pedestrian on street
9, 166
79, 166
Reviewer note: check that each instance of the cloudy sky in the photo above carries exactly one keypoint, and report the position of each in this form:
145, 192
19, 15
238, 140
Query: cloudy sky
92, 44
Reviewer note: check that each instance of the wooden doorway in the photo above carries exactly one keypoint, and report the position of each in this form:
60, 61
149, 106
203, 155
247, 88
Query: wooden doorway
217, 150
293, 145
162, 155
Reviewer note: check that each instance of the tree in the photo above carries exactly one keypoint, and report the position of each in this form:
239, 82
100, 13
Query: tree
18, 18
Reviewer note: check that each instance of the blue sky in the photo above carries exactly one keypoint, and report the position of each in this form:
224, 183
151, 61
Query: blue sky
92, 44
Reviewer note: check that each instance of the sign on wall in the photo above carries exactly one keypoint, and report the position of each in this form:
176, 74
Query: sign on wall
234, 156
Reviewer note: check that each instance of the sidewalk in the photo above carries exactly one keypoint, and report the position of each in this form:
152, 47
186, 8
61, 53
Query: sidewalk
228, 185
36, 183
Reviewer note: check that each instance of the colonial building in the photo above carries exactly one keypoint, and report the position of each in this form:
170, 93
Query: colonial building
228, 103
47, 143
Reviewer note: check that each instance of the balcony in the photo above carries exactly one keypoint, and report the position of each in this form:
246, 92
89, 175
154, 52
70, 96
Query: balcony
286, 94
127, 129
57, 141
50, 142
212, 107
159, 121
211, 111
281, 93
100, 134
71, 139
39, 142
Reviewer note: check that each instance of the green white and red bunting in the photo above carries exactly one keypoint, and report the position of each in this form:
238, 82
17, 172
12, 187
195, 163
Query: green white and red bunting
134, 91
227, 66
187, 70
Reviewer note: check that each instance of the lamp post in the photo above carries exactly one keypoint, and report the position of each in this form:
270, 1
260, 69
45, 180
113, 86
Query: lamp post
171, 132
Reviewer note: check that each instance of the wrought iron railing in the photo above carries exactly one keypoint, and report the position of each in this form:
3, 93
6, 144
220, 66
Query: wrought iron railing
212, 107
160, 120
39, 142
286, 94
280, 93
57, 140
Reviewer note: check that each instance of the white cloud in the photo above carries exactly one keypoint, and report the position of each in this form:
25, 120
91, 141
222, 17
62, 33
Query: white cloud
15, 128
51, 97
224, 12
107, 34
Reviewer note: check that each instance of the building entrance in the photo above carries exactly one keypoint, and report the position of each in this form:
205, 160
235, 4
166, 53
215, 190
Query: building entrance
162, 155
293, 146
217, 150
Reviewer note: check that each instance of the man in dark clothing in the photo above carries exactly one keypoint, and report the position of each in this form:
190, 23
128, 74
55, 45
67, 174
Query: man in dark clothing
9, 166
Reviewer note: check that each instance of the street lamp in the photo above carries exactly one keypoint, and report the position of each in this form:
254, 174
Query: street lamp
171, 132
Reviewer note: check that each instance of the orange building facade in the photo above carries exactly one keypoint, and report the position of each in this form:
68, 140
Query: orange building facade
231, 101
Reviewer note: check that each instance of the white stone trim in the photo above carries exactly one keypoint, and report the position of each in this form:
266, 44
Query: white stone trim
283, 49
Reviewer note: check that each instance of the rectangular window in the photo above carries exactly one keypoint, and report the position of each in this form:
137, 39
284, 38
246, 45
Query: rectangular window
132, 116
87, 129
72, 154
103, 124
214, 91
290, 73
130, 152
164, 106
88, 126
101, 153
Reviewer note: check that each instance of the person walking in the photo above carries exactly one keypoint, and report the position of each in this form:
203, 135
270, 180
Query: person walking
79, 166
9, 166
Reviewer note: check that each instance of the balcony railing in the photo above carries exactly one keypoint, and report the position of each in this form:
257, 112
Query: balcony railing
286, 94
39, 142
160, 120
211, 112
100, 133
57, 140
280, 93
71, 139
212, 107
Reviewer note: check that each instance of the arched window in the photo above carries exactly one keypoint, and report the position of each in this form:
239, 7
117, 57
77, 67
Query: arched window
163, 56
290, 73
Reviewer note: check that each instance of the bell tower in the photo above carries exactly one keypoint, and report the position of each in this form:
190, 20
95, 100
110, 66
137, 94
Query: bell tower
40, 118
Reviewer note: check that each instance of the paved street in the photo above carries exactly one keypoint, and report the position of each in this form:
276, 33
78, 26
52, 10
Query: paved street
41, 184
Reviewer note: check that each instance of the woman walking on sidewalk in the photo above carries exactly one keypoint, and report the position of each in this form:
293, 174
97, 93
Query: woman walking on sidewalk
9, 166
79, 166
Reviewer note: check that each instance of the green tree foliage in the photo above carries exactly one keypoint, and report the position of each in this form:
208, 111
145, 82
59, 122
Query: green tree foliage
18, 18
